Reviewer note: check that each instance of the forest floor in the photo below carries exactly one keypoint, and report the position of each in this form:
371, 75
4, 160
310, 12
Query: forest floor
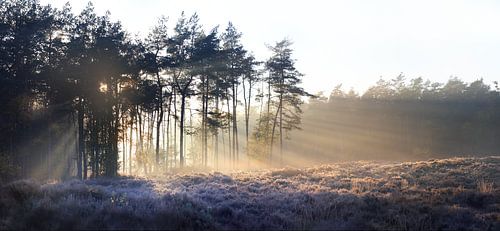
457, 193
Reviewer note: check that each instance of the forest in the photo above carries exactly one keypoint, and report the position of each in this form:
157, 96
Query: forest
401, 119
81, 97
186, 129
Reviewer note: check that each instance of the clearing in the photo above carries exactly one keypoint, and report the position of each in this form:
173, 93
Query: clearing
457, 193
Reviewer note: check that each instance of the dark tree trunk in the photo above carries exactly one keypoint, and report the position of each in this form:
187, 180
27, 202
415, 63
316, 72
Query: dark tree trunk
160, 119
130, 145
181, 130
273, 131
230, 153
81, 142
168, 133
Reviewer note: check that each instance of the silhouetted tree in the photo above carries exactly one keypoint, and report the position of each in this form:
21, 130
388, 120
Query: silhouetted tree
285, 80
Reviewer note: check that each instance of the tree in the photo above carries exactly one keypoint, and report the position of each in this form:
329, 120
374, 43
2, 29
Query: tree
157, 42
97, 65
285, 80
250, 78
30, 52
235, 69
180, 56
207, 64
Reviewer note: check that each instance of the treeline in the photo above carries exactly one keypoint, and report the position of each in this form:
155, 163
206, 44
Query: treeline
402, 119
80, 96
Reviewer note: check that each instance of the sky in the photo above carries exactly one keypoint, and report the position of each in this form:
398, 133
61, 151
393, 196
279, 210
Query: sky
353, 42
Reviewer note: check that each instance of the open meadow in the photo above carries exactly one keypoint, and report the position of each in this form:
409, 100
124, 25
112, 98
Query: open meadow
457, 193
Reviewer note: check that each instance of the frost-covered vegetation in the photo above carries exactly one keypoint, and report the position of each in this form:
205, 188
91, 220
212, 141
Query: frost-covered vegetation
458, 193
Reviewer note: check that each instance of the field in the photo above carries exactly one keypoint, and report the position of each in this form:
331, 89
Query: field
457, 193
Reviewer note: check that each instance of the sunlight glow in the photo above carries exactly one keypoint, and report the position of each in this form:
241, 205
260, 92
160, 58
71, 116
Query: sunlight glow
103, 87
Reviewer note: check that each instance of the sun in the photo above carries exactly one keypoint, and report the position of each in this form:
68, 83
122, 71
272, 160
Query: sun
103, 87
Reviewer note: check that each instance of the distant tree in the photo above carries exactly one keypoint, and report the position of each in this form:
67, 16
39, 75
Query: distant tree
337, 93
381, 90
454, 89
477, 90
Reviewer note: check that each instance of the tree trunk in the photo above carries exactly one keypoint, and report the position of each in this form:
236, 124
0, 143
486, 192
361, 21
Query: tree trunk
229, 130
168, 133
181, 130
81, 142
124, 151
216, 148
235, 125
247, 100
175, 130
272, 134
281, 129
130, 145
269, 120
203, 123
159, 107
158, 132
205, 138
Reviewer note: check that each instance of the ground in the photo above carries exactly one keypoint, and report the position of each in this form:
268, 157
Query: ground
457, 193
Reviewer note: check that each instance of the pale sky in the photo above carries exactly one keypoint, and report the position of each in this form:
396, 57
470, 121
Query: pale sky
353, 42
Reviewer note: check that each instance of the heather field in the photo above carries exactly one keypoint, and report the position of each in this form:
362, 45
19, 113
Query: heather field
457, 193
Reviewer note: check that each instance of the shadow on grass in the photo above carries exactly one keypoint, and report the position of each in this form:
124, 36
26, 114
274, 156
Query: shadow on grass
416, 196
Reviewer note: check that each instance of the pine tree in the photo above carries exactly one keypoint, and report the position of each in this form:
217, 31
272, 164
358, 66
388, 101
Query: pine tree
180, 56
285, 80
235, 59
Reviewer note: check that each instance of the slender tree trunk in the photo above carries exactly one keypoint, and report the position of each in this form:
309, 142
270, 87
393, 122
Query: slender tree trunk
281, 129
141, 142
124, 151
247, 100
151, 128
229, 130
224, 149
181, 130
268, 121
273, 131
115, 132
235, 124
175, 131
245, 106
93, 147
130, 145
49, 148
216, 148
163, 145
191, 136
205, 138
203, 123
158, 133
261, 103
81, 141
168, 133
160, 118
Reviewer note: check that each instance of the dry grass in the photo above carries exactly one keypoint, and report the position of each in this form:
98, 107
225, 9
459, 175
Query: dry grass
458, 193
485, 187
